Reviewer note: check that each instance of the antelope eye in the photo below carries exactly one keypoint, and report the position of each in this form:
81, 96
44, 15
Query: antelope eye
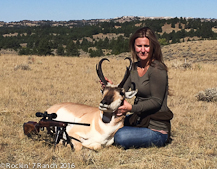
122, 93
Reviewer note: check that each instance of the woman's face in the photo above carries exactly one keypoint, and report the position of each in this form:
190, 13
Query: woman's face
142, 48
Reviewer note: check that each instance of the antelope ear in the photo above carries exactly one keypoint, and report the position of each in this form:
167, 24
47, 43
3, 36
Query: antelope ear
130, 94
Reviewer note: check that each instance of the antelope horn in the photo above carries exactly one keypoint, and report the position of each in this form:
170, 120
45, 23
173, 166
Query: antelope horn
99, 71
127, 73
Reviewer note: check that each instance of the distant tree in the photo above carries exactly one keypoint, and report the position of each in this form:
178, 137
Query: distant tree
10, 43
28, 31
173, 25
120, 45
105, 43
96, 53
54, 44
99, 43
30, 44
24, 51
180, 34
191, 33
78, 43
206, 30
34, 51
44, 48
174, 37
37, 41
71, 49
85, 44
60, 50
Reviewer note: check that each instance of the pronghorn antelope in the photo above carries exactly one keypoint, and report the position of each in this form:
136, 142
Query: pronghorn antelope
103, 120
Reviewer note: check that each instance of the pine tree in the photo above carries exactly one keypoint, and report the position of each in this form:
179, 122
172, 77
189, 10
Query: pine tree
44, 48
60, 50
71, 49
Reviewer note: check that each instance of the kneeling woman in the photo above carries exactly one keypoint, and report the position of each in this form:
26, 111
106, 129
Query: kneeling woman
149, 124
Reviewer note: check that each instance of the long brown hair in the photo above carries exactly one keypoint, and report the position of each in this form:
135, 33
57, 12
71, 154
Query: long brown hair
155, 48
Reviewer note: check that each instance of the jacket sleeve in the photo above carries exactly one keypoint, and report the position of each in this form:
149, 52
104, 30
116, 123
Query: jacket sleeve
158, 86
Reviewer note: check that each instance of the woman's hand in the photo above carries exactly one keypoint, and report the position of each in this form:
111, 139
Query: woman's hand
103, 85
122, 110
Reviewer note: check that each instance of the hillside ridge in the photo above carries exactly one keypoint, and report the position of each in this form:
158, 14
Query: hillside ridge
89, 21
99, 37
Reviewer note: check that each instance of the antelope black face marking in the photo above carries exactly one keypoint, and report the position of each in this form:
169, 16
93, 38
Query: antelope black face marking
112, 99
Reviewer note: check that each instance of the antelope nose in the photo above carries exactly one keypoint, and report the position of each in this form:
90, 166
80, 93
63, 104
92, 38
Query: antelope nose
103, 102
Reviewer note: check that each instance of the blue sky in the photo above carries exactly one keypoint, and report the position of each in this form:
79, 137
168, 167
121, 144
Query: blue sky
64, 10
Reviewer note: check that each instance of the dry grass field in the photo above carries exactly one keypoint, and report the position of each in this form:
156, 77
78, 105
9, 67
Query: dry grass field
31, 84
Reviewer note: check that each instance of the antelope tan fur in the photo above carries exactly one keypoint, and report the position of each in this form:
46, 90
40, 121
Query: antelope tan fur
103, 120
